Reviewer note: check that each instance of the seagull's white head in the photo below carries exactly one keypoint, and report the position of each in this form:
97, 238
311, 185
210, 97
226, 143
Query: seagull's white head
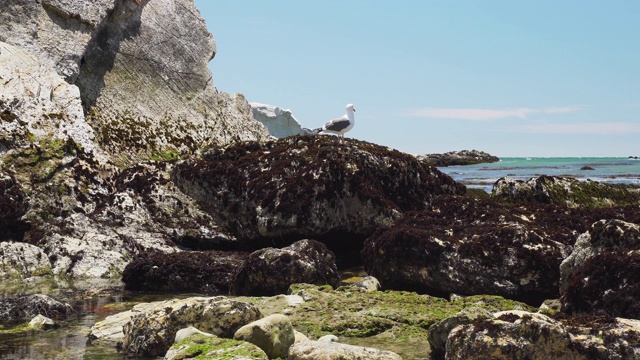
350, 107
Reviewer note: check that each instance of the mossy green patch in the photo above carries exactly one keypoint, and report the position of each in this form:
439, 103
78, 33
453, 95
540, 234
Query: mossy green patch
206, 347
356, 314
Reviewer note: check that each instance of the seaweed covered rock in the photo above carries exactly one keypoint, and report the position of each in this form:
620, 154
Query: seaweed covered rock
200, 346
469, 246
310, 187
603, 271
24, 308
565, 191
207, 272
524, 335
152, 331
271, 271
463, 157
91, 220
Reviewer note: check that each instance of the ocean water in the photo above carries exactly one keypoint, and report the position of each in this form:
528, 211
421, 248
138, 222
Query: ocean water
609, 170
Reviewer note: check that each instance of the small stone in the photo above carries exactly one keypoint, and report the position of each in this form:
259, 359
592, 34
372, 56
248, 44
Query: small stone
41, 322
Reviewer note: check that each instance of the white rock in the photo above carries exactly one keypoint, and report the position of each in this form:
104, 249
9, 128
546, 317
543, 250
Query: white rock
280, 122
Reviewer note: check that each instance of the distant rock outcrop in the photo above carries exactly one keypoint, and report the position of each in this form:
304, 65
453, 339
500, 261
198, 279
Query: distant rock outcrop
565, 191
464, 157
280, 122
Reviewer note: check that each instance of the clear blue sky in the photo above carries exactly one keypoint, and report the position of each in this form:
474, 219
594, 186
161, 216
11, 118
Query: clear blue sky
510, 77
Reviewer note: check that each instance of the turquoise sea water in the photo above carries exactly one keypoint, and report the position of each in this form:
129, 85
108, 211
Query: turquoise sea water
610, 170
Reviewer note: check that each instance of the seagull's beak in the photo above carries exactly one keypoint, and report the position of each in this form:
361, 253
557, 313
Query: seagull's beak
354, 109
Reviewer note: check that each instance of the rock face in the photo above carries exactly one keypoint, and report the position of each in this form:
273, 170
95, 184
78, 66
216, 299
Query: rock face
602, 272
89, 89
35, 102
187, 271
524, 335
152, 332
464, 157
141, 70
469, 246
309, 187
271, 271
21, 261
279, 122
565, 191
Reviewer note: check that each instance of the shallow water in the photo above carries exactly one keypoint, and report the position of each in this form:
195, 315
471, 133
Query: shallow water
70, 340
608, 170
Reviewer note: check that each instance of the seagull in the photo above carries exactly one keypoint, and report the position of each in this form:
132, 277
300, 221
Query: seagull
340, 125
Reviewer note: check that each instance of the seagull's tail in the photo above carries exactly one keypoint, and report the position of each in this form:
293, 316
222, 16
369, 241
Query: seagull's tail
313, 131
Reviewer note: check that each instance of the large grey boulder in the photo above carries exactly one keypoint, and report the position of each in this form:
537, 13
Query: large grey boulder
524, 335
151, 333
439, 332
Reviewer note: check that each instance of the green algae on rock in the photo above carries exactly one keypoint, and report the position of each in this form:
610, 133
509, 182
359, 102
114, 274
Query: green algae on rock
206, 347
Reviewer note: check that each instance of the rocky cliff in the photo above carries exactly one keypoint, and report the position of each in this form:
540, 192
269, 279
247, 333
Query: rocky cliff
135, 71
89, 91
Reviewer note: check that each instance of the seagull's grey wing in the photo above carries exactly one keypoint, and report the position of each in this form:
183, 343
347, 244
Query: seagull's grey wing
337, 124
